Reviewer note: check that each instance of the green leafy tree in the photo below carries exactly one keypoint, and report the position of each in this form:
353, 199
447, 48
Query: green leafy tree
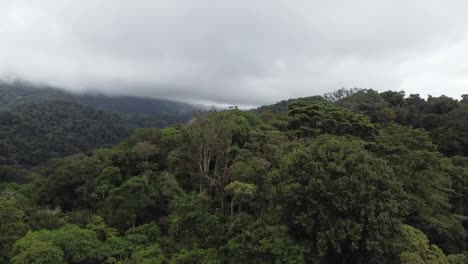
452, 132
127, 202
152, 254
211, 145
415, 248
145, 234
12, 226
340, 94
392, 98
260, 243
192, 224
312, 119
346, 200
426, 177
76, 245
365, 101
196, 256
38, 252
46, 219
241, 193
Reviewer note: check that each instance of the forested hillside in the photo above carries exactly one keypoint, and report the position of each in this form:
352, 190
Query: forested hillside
355, 176
135, 111
14, 93
40, 123
33, 133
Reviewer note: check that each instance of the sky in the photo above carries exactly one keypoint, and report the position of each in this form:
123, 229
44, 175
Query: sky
237, 52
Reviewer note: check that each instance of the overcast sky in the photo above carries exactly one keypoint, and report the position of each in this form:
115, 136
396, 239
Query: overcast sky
240, 52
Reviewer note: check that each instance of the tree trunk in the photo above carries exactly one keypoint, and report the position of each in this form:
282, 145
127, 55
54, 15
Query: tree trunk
223, 182
221, 197
232, 207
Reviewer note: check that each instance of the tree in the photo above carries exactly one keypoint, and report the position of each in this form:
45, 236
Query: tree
425, 175
440, 105
192, 224
342, 197
392, 98
39, 252
144, 150
145, 234
366, 101
310, 120
76, 245
451, 136
241, 193
340, 94
261, 243
46, 219
464, 99
151, 254
458, 172
415, 248
196, 256
11, 224
211, 142
126, 203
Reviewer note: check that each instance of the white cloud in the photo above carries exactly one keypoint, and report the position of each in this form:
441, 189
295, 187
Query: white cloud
236, 52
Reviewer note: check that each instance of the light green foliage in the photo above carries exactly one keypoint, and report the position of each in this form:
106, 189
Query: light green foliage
415, 248
312, 119
151, 254
38, 252
249, 169
196, 256
12, 226
241, 192
46, 219
144, 234
457, 259
261, 243
102, 230
77, 245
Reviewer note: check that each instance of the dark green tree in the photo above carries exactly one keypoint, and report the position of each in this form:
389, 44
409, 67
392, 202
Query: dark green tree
343, 198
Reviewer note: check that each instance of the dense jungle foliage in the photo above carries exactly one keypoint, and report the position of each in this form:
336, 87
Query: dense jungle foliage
355, 176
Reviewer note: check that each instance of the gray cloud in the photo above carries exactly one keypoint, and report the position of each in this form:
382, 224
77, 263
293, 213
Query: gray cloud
236, 52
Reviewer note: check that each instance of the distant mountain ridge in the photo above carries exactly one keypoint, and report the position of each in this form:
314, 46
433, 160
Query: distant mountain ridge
38, 123
17, 92
32, 133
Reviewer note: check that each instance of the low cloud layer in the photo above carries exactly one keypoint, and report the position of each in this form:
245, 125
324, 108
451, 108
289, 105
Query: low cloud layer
244, 52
